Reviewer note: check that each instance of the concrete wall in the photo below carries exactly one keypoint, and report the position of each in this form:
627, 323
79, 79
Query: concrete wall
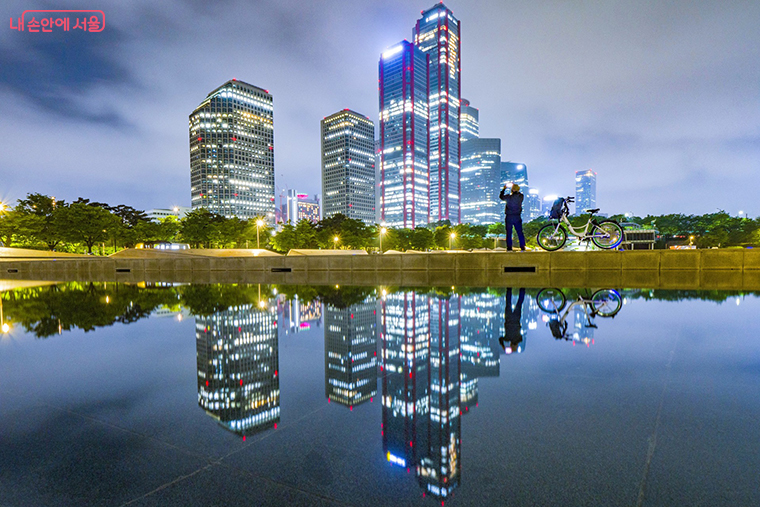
686, 269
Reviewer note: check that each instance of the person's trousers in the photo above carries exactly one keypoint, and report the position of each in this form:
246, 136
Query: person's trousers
516, 222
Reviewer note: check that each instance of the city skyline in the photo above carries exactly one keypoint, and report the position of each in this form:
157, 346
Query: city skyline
637, 94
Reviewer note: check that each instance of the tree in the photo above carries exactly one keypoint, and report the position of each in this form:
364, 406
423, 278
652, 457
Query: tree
201, 227
87, 223
46, 227
285, 240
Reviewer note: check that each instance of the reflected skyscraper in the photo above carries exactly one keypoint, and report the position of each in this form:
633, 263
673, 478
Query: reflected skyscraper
482, 321
351, 352
421, 387
238, 380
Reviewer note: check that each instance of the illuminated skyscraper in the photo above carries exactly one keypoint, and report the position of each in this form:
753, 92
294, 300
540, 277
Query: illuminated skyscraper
299, 207
481, 175
585, 191
232, 152
437, 34
348, 166
404, 183
482, 322
468, 122
238, 381
351, 352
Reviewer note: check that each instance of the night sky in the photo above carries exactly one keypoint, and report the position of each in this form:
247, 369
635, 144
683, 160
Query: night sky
661, 99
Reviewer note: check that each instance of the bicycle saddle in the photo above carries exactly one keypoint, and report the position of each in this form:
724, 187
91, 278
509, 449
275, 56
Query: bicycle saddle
592, 211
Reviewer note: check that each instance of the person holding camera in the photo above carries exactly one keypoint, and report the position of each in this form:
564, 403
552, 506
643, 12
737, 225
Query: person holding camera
513, 212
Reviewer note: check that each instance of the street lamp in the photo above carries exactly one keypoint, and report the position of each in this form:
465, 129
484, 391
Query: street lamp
383, 230
451, 239
335, 242
691, 240
259, 223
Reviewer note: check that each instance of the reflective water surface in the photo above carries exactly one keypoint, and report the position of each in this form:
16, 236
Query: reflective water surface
271, 395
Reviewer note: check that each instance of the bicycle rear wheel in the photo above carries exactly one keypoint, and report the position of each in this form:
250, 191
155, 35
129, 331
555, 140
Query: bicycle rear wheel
606, 302
551, 237
551, 300
608, 234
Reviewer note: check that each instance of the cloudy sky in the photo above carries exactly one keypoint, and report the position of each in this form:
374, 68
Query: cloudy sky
661, 99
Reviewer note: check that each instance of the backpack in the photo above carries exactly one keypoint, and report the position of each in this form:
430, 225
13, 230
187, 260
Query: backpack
556, 212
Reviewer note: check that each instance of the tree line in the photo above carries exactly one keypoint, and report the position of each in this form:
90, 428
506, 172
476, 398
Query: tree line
42, 222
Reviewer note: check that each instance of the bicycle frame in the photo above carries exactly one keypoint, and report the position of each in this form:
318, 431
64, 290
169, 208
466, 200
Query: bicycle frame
582, 232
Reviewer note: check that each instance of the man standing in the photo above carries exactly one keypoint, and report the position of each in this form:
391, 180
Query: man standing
513, 212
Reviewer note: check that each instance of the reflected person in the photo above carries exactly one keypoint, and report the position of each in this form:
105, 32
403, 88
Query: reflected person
513, 340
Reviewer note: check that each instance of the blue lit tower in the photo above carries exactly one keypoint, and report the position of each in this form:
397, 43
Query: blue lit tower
348, 166
405, 356
351, 352
585, 191
514, 172
232, 152
480, 179
437, 34
238, 381
404, 129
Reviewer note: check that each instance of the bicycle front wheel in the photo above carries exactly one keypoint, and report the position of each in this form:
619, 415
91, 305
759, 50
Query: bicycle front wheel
551, 300
551, 237
607, 235
606, 302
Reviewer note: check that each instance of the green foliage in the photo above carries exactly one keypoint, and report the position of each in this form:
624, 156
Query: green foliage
86, 223
200, 228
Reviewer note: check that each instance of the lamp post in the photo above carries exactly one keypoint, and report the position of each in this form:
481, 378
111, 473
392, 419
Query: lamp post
3, 325
259, 223
451, 239
691, 240
335, 242
383, 230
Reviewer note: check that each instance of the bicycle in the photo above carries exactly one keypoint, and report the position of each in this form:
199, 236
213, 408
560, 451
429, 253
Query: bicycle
606, 234
603, 303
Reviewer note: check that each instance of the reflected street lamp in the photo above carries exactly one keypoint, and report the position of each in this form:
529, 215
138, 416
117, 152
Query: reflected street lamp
451, 239
3, 325
259, 223
383, 230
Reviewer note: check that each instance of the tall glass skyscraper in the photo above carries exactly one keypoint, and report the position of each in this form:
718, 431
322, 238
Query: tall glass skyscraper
404, 129
232, 152
348, 166
437, 34
481, 177
469, 122
585, 191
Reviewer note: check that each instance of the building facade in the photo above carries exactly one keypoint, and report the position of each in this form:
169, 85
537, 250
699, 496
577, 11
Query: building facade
469, 122
585, 191
238, 379
404, 129
348, 166
157, 214
480, 180
351, 353
513, 172
232, 152
437, 35
299, 207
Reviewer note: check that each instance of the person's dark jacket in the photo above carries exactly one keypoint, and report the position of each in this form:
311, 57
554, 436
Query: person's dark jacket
514, 202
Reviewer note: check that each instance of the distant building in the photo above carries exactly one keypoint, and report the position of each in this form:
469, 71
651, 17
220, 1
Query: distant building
585, 191
531, 204
232, 152
350, 353
404, 183
300, 207
513, 172
348, 166
480, 179
157, 214
469, 119
437, 35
